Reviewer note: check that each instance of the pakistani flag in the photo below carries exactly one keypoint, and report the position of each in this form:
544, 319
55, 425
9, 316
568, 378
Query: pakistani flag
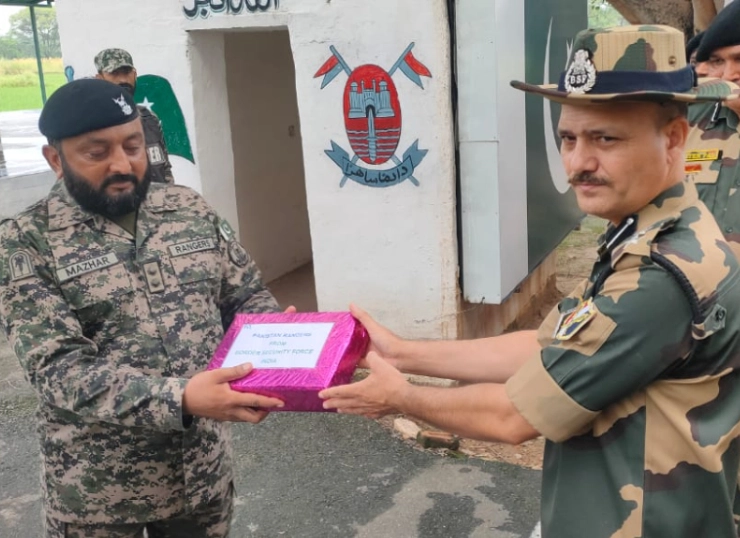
156, 94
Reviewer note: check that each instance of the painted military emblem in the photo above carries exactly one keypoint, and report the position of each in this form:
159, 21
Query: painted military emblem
20, 265
373, 121
581, 75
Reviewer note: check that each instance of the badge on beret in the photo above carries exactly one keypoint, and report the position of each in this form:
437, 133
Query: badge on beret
581, 75
576, 320
125, 107
237, 254
20, 265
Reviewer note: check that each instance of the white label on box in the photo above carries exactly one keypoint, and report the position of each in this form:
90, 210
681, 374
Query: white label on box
279, 345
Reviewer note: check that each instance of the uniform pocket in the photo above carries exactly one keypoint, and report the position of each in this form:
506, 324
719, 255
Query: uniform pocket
102, 299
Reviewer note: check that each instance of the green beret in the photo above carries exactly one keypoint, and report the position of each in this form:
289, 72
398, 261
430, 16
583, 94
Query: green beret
723, 32
86, 105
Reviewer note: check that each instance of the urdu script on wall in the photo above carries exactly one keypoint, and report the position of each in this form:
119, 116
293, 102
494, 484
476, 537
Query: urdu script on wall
204, 8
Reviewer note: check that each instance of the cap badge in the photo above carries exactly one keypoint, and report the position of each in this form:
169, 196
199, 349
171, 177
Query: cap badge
125, 107
581, 75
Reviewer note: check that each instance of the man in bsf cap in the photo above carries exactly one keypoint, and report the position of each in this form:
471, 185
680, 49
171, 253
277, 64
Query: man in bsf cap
114, 294
117, 66
632, 378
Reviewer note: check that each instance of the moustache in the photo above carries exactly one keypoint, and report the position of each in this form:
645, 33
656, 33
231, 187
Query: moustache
118, 178
586, 178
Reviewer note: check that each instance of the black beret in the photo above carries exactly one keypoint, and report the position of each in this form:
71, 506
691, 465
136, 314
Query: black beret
692, 45
723, 32
86, 105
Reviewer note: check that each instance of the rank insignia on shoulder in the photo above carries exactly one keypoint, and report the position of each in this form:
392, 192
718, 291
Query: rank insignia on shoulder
20, 265
237, 253
227, 232
703, 155
576, 320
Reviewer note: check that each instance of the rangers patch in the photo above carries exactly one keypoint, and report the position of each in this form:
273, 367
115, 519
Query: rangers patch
576, 320
20, 265
237, 254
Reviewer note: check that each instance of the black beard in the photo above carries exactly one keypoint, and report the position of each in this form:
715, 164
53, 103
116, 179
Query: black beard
128, 87
97, 201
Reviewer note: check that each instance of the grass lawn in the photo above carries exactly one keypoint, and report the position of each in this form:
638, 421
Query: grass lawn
19, 83
28, 97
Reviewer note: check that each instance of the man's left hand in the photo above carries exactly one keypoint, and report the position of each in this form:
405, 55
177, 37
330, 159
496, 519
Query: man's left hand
377, 395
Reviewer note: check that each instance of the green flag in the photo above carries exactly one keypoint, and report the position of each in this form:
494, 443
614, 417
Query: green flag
156, 93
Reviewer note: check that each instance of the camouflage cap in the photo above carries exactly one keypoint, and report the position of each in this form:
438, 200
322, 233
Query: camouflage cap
626, 63
109, 60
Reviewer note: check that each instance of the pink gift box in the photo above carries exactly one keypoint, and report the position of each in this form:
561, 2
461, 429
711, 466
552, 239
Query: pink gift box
295, 356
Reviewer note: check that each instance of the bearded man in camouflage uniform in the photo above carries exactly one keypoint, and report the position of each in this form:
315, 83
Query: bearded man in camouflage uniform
117, 66
634, 378
713, 147
114, 294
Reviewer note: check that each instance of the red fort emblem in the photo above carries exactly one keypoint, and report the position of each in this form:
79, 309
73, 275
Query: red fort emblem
373, 121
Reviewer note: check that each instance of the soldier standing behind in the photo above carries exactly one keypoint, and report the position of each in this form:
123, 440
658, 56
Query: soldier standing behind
713, 145
117, 66
114, 294
634, 379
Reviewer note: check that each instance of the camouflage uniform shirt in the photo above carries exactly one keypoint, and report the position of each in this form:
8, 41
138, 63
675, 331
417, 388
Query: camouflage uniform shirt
713, 153
156, 148
109, 328
636, 388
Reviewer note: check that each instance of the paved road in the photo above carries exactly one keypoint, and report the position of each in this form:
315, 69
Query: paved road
306, 476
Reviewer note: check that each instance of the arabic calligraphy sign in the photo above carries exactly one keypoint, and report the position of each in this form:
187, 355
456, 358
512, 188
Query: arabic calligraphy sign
204, 8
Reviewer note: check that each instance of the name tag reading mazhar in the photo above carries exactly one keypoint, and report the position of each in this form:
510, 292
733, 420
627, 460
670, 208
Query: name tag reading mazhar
295, 356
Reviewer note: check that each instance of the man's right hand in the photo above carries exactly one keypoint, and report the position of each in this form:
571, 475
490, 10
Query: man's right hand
209, 395
382, 341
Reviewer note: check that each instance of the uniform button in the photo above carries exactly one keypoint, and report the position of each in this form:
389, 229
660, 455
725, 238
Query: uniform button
152, 271
156, 283
729, 230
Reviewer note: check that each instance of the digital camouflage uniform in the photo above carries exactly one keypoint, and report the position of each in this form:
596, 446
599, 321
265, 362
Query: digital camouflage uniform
713, 161
110, 60
109, 328
641, 406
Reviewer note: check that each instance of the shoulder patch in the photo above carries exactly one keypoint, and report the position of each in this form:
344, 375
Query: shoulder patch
21, 266
237, 253
227, 232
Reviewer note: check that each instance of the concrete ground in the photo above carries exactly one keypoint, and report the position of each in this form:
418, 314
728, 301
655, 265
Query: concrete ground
305, 476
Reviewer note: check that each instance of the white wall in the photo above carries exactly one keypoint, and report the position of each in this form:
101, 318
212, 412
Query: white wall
268, 159
393, 250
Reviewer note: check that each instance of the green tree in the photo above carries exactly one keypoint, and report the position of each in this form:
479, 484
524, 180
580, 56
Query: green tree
9, 48
48, 31
602, 14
